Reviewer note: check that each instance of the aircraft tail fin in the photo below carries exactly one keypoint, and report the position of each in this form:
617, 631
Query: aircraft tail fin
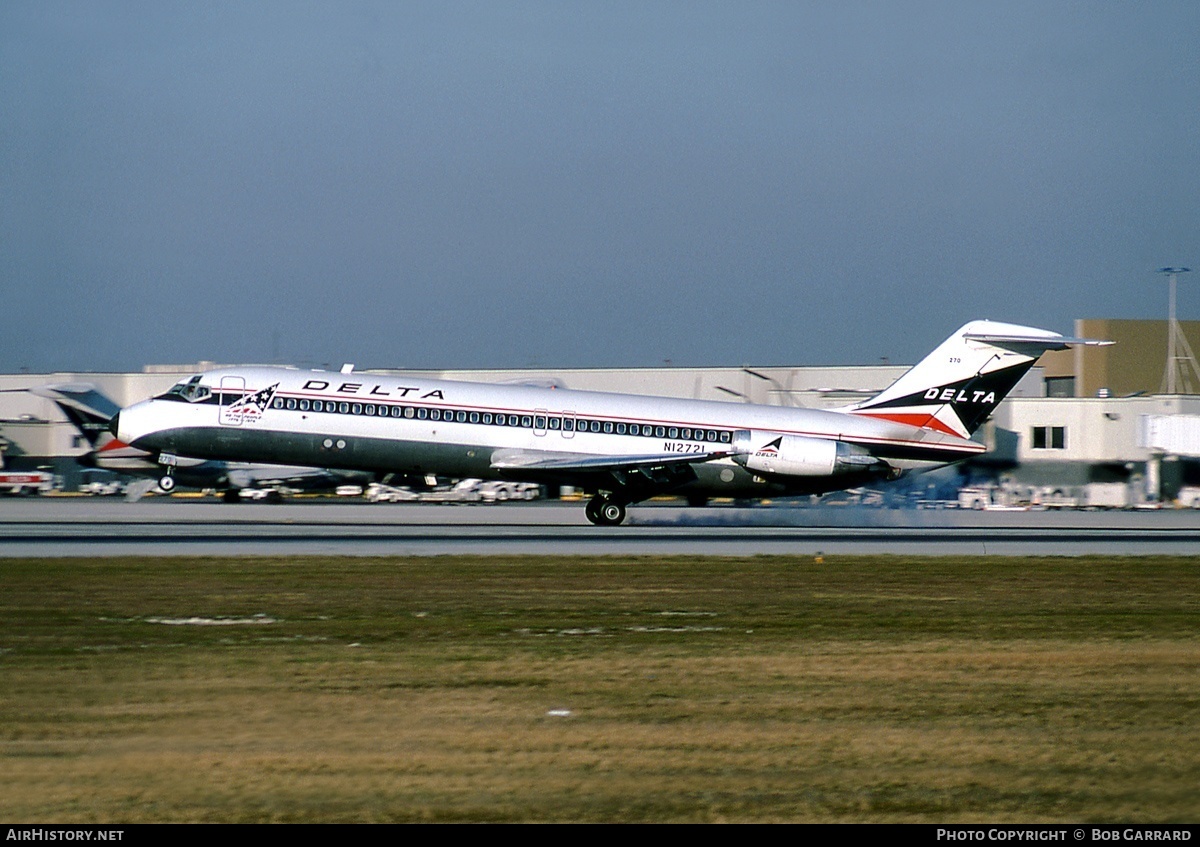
85, 407
957, 387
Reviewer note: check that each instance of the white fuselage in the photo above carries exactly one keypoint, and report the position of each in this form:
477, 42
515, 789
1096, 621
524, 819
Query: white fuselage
388, 424
622, 447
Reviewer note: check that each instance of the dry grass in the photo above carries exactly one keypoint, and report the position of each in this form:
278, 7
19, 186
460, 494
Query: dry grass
758, 689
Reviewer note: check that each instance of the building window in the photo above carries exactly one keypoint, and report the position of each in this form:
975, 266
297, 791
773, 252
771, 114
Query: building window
1060, 386
1049, 438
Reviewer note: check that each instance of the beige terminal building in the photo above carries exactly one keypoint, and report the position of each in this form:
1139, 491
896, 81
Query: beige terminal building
1112, 415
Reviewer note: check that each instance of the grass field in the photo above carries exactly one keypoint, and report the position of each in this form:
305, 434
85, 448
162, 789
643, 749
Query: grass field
600, 689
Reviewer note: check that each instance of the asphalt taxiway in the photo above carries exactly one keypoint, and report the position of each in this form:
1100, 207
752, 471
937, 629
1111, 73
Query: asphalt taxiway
81, 526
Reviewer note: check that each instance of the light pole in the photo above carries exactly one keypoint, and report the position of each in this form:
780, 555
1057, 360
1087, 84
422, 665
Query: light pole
1176, 340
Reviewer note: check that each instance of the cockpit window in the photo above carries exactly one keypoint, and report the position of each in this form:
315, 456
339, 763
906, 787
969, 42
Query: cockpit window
190, 390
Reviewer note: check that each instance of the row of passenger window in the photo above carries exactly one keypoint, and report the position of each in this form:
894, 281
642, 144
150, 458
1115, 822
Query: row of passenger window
537, 422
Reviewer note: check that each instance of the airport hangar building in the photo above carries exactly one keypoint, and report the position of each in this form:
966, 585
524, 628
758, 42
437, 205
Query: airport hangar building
1090, 414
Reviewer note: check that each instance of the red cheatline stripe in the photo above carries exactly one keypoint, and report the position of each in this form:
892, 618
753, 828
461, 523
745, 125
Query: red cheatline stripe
920, 420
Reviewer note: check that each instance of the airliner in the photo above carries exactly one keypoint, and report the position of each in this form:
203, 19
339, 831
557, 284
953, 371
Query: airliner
90, 411
620, 448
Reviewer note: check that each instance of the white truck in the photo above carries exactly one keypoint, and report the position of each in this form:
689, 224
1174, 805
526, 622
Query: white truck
25, 482
1189, 498
1106, 495
500, 491
463, 491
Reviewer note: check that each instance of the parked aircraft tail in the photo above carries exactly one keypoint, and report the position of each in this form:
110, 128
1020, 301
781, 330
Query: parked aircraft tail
85, 407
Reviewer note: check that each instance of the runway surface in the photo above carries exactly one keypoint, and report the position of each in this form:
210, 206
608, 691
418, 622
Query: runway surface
82, 526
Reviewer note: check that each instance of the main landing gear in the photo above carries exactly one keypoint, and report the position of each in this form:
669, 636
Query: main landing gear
605, 511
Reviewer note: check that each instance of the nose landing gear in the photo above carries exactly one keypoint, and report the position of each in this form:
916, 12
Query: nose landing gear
166, 482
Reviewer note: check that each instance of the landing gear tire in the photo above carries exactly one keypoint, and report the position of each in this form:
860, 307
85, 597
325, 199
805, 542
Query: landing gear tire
231, 495
604, 512
612, 513
166, 484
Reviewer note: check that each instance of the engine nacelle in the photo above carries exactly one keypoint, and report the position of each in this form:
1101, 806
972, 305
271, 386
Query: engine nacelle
776, 454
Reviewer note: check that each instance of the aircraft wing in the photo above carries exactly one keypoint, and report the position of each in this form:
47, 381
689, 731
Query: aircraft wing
639, 476
643, 475
533, 460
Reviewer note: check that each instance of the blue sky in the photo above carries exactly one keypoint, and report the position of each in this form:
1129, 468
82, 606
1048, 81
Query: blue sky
482, 184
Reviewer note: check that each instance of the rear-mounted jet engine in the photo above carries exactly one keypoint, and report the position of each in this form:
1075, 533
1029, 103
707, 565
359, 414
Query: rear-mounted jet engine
776, 454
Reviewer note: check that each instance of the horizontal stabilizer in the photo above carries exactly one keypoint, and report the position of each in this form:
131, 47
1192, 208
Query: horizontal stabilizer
1042, 342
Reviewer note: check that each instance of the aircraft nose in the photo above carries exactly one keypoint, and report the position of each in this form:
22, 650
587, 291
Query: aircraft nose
114, 424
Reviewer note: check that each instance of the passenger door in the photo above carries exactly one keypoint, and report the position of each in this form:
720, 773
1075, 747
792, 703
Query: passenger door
233, 389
